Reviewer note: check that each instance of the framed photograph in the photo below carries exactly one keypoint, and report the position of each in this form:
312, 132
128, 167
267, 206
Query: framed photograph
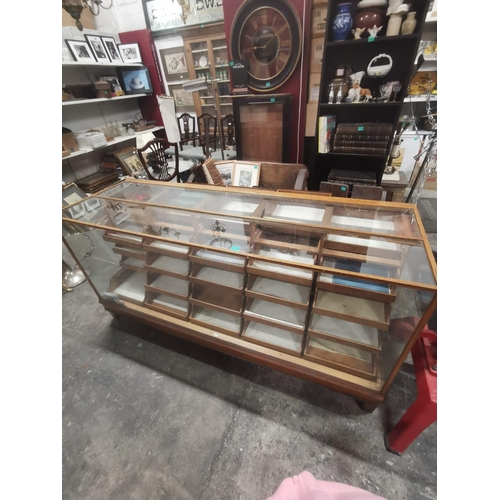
111, 49
225, 169
80, 51
92, 204
130, 161
135, 80
97, 47
130, 53
246, 174
183, 98
71, 194
175, 63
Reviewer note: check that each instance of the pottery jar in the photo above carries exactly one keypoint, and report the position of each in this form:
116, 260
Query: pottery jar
409, 25
342, 23
394, 24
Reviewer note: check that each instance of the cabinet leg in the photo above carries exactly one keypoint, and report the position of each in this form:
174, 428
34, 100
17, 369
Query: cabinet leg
367, 406
115, 315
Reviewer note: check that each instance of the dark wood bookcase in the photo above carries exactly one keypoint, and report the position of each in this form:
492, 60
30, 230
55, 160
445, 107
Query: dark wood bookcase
358, 54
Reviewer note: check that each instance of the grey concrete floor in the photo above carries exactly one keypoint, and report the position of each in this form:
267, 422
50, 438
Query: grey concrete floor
149, 416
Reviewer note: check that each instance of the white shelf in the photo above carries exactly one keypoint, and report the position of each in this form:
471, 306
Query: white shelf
116, 141
223, 81
70, 64
419, 98
197, 51
102, 99
220, 48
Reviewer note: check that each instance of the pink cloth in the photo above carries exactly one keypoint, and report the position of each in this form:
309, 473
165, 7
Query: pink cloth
306, 487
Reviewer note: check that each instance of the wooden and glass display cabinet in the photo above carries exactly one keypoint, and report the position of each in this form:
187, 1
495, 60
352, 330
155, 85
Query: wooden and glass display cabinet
208, 57
318, 288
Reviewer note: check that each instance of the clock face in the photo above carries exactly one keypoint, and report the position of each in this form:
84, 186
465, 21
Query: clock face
269, 38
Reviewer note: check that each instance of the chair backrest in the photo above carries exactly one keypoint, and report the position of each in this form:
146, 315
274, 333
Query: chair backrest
283, 176
227, 131
366, 192
335, 189
207, 128
187, 128
154, 159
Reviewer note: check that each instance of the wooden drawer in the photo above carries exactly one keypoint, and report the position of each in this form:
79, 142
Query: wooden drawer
213, 319
167, 304
350, 308
168, 285
175, 250
272, 337
129, 285
279, 292
358, 362
215, 298
170, 266
227, 281
347, 333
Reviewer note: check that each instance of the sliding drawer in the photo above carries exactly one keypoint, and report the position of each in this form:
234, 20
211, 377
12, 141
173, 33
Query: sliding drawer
214, 319
168, 285
275, 338
167, 304
129, 285
170, 266
208, 276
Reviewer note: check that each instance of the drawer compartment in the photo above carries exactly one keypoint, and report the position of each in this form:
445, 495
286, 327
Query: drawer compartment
272, 337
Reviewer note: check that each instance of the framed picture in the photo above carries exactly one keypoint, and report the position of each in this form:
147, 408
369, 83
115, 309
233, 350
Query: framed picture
80, 51
97, 47
130, 53
71, 194
225, 169
135, 80
130, 161
111, 49
183, 98
175, 63
246, 174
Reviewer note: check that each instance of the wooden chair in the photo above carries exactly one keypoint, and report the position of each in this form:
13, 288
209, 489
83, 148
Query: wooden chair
335, 189
227, 138
366, 192
153, 157
207, 128
187, 130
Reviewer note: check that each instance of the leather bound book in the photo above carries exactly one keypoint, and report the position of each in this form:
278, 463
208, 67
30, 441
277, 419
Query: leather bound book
364, 128
360, 144
359, 151
362, 137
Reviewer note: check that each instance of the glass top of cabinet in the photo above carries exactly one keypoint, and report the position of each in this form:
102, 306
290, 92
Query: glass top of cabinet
381, 240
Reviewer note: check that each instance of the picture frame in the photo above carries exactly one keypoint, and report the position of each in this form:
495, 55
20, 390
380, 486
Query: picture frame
73, 195
130, 53
112, 49
130, 161
225, 169
246, 174
97, 47
175, 63
81, 51
135, 80
182, 97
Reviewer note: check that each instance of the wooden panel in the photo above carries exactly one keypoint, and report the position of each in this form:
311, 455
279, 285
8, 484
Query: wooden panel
261, 131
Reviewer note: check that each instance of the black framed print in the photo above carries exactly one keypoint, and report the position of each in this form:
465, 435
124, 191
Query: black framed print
97, 47
111, 49
81, 51
130, 53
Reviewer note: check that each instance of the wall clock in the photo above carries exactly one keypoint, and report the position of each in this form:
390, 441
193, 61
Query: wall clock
268, 34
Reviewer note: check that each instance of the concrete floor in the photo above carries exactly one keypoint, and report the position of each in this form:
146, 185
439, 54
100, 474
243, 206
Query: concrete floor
149, 416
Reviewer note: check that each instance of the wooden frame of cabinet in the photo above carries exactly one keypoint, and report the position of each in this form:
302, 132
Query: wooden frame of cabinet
215, 43
216, 302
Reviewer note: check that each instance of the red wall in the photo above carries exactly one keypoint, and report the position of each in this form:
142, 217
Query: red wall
149, 105
293, 84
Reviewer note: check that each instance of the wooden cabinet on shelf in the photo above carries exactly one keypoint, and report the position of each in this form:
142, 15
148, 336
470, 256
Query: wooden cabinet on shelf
353, 56
208, 57
324, 289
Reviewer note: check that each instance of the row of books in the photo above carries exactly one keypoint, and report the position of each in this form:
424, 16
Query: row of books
353, 138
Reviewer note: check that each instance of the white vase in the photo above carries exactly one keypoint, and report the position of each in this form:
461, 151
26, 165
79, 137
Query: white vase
394, 24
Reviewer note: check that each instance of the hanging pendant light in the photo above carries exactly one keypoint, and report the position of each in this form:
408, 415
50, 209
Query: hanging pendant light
75, 7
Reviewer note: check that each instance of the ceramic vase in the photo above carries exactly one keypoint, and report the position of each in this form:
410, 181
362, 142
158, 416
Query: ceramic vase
409, 24
394, 25
342, 23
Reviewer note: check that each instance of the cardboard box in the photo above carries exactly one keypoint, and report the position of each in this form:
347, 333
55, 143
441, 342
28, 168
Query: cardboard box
68, 143
87, 19
317, 49
314, 81
311, 113
431, 182
318, 20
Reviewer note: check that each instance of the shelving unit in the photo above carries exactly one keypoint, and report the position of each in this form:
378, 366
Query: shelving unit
84, 114
358, 54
